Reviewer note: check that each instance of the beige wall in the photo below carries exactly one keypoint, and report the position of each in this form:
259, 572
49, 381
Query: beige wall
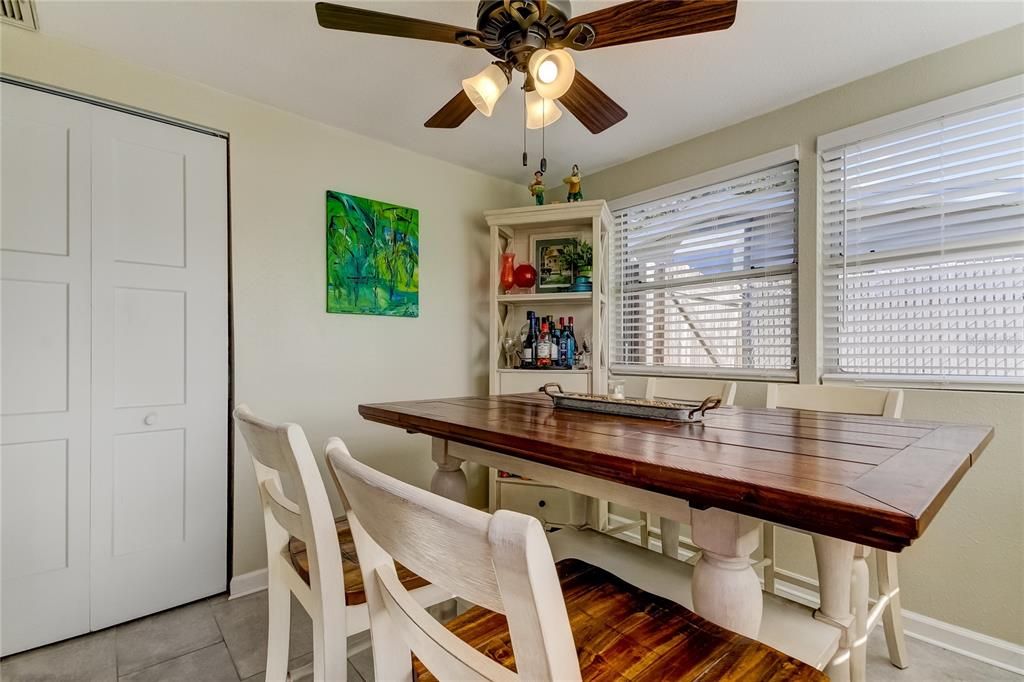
968, 569
292, 360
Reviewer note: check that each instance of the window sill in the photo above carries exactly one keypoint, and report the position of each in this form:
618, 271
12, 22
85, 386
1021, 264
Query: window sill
724, 374
928, 383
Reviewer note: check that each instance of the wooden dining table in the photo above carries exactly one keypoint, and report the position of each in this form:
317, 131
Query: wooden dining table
854, 482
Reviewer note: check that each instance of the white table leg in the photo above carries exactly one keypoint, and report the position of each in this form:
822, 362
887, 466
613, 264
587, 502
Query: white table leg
859, 604
449, 480
726, 590
835, 571
892, 617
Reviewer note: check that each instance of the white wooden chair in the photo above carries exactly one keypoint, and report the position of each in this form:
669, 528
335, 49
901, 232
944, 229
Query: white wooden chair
676, 388
849, 400
281, 453
503, 563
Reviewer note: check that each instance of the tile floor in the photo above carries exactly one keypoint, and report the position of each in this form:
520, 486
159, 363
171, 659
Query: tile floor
220, 640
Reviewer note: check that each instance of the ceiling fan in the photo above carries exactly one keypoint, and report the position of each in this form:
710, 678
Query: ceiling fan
533, 37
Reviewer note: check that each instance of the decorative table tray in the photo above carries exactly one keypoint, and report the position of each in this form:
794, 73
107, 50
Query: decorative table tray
669, 410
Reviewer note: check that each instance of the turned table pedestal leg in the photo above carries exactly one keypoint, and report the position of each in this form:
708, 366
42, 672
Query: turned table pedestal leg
726, 590
835, 571
859, 604
449, 480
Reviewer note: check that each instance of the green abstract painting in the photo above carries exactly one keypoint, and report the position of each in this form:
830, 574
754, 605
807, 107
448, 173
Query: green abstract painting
372, 257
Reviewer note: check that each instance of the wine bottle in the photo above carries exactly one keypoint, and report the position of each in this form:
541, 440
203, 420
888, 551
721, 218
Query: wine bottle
563, 345
556, 339
544, 346
570, 346
530, 342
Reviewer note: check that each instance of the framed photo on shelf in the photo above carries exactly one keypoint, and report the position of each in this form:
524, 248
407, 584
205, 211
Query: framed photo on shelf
552, 275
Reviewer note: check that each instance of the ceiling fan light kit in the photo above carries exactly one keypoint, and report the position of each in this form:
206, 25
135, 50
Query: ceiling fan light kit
540, 112
534, 37
552, 72
486, 87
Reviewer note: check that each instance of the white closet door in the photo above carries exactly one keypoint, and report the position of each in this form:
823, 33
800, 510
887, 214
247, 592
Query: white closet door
160, 366
44, 368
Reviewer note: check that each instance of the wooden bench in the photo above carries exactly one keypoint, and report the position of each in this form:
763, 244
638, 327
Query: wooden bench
622, 632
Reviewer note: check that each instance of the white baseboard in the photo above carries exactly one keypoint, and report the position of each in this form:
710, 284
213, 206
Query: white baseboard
981, 647
996, 652
247, 583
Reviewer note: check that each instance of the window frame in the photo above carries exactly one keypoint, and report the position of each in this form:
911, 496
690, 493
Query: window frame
788, 154
961, 102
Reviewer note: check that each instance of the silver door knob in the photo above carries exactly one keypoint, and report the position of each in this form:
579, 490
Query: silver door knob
150, 419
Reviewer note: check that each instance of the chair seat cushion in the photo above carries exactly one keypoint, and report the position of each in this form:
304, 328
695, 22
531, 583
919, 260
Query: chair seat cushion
354, 593
624, 633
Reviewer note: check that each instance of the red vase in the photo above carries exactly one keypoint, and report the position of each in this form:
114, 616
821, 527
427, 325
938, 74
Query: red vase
525, 276
508, 279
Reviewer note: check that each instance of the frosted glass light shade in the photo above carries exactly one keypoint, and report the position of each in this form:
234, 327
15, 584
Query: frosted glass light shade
540, 112
552, 71
485, 88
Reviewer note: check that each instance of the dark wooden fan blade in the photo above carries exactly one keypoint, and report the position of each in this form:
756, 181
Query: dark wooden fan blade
452, 115
367, 21
640, 20
587, 102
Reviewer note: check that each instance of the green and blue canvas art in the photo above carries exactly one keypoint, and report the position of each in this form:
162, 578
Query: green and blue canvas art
372, 257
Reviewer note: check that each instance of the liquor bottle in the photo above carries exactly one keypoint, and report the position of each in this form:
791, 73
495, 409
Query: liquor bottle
563, 345
544, 346
530, 342
570, 350
556, 339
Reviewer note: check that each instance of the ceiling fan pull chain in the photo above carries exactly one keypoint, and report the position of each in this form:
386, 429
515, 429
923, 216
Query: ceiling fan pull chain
543, 149
525, 160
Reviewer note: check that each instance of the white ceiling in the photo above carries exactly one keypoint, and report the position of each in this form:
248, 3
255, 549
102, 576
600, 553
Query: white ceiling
776, 53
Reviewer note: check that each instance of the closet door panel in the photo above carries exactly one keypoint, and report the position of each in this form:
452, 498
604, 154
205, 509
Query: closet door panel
35, 351
159, 367
45, 341
35, 165
150, 205
149, 347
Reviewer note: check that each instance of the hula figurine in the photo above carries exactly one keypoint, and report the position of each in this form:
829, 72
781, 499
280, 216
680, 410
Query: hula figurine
537, 188
575, 184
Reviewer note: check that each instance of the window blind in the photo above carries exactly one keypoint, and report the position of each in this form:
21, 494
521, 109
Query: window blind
923, 247
704, 281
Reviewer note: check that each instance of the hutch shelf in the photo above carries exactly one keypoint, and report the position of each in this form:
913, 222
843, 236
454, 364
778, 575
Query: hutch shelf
516, 230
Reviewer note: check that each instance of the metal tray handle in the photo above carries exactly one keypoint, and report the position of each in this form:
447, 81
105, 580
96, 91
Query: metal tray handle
709, 403
549, 389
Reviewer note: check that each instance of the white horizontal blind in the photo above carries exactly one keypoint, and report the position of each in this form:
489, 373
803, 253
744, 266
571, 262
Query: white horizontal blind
704, 281
923, 242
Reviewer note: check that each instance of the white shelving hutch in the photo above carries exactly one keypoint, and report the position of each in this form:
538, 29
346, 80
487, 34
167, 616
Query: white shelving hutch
513, 230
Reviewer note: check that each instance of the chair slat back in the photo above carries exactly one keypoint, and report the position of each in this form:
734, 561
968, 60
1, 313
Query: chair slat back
501, 562
280, 452
878, 402
678, 388
284, 511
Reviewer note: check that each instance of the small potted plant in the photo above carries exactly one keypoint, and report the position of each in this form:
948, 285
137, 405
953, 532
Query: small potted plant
579, 257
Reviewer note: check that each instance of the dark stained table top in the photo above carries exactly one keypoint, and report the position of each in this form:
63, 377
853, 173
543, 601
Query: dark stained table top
877, 481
